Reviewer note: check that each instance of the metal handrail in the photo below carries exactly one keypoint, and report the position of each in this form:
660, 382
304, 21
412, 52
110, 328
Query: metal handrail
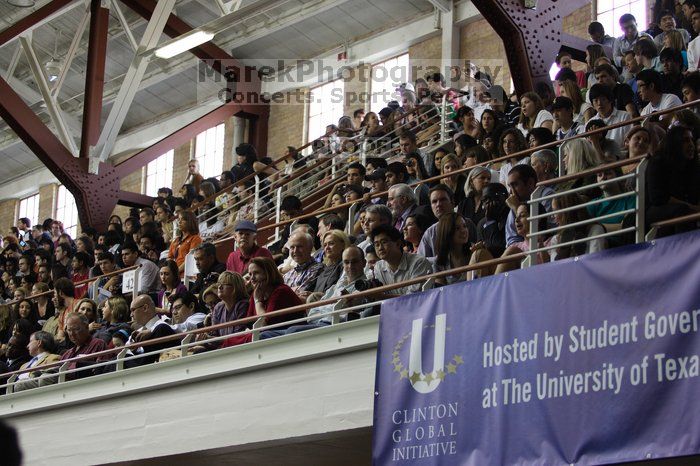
81, 282
295, 309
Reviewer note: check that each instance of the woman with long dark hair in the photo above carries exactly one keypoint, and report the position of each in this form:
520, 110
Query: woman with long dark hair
673, 179
452, 246
269, 294
187, 240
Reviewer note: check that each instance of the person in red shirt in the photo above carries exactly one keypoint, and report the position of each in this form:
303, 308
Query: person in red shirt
244, 234
269, 294
80, 264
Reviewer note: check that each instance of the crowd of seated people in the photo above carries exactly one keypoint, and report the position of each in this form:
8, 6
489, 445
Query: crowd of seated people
473, 210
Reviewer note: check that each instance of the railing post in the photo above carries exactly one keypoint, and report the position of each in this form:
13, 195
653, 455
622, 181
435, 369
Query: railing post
640, 178
256, 199
351, 216
11, 384
256, 333
185, 341
137, 281
94, 289
62, 372
534, 211
120, 359
443, 120
363, 151
334, 161
278, 212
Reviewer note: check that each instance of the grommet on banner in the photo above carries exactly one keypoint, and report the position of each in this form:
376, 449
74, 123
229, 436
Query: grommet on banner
576, 259
505, 274
653, 242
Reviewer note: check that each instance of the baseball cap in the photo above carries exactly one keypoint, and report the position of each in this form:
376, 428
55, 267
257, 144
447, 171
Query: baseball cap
246, 225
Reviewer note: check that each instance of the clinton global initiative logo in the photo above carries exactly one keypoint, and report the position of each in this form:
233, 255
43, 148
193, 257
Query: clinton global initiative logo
420, 381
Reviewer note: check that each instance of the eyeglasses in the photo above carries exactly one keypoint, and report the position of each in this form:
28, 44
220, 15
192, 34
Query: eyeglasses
134, 309
223, 285
381, 243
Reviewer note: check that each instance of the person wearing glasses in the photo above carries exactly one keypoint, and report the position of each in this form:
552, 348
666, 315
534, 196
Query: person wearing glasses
151, 327
186, 313
233, 305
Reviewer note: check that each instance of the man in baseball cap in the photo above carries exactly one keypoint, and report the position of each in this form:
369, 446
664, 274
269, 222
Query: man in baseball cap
245, 233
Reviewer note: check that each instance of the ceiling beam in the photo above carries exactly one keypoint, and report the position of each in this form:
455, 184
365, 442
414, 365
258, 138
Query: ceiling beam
445, 6
52, 106
289, 19
37, 18
130, 85
220, 24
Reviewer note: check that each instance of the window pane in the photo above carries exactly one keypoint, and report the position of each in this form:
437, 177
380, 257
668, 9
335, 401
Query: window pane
159, 174
386, 77
67, 211
326, 107
609, 12
29, 208
604, 5
209, 151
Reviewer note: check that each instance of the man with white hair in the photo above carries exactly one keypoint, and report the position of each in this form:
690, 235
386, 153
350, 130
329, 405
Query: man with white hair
302, 278
403, 203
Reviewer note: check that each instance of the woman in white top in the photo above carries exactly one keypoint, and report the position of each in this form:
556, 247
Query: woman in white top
511, 142
533, 114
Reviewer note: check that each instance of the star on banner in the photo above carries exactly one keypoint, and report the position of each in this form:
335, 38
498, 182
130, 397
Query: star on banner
451, 368
415, 377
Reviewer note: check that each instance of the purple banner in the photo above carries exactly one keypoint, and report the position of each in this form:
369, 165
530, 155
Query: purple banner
593, 360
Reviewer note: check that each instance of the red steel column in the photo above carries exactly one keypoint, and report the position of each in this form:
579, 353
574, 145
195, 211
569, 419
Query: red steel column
94, 76
534, 36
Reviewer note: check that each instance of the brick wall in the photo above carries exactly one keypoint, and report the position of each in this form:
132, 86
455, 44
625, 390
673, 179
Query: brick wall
228, 143
8, 211
181, 157
480, 45
286, 125
424, 55
47, 201
356, 88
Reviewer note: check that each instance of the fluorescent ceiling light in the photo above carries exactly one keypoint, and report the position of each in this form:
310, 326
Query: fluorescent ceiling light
183, 45
21, 3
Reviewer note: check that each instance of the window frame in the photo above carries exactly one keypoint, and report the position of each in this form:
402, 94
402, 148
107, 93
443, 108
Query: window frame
73, 227
21, 214
323, 116
375, 107
167, 168
218, 153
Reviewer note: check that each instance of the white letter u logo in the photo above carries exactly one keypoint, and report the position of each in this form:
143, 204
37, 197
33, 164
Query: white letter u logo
427, 383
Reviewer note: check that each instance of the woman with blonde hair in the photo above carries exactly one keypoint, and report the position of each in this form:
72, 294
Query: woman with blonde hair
334, 242
579, 155
115, 316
